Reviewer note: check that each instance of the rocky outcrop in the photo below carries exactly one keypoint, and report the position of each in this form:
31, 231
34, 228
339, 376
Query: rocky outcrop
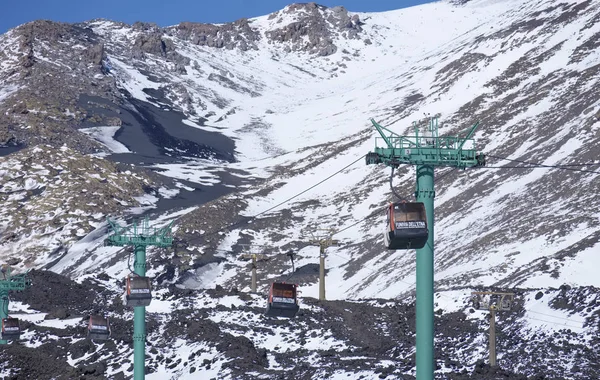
237, 34
153, 43
55, 64
316, 29
95, 54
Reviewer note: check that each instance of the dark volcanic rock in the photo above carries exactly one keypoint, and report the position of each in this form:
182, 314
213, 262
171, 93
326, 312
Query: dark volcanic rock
59, 296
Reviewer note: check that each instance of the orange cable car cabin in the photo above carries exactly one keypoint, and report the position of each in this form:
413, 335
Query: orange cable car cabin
11, 329
98, 328
138, 291
406, 226
283, 301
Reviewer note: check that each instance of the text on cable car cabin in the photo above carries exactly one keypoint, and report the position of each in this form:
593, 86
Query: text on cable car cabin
283, 299
411, 224
283, 293
140, 290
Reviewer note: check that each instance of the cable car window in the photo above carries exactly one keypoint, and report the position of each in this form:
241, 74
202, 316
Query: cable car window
283, 293
11, 325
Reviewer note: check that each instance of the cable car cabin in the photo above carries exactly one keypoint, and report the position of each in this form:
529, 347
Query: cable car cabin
11, 329
406, 226
98, 328
282, 300
139, 291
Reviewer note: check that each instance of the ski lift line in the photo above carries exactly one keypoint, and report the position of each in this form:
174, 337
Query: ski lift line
310, 188
277, 205
358, 222
553, 323
297, 195
453, 299
371, 270
538, 165
379, 211
552, 316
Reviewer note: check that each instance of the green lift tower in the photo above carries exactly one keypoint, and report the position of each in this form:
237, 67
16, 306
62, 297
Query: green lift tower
425, 149
139, 237
9, 282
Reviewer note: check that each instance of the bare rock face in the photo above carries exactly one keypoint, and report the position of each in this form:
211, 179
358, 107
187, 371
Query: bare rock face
95, 54
237, 34
53, 63
145, 27
153, 44
314, 22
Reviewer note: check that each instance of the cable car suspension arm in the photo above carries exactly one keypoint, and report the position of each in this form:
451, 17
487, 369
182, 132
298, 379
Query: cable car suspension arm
401, 198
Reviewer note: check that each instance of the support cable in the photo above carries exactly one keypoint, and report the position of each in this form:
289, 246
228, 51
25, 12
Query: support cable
556, 323
246, 219
531, 165
538, 165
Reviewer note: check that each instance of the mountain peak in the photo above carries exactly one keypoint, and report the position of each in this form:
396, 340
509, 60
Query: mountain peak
310, 27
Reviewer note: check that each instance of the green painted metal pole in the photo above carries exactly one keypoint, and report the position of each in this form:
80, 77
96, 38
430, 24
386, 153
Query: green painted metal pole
139, 320
425, 193
3, 309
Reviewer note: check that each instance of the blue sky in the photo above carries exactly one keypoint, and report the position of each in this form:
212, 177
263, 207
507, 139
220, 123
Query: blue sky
165, 12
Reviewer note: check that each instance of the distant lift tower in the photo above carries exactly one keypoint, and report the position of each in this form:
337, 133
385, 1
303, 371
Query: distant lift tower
139, 237
253, 253
8, 282
323, 239
425, 149
492, 301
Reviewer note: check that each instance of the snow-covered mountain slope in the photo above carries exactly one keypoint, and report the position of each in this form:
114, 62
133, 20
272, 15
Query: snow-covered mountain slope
291, 93
526, 71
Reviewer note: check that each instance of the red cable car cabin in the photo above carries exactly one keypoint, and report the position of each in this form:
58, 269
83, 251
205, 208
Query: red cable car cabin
138, 291
406, 226
10, 329
98, 328
283, 301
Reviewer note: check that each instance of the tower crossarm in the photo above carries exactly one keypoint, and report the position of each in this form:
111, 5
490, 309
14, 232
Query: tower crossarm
425, 149
139, 235
10, 282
